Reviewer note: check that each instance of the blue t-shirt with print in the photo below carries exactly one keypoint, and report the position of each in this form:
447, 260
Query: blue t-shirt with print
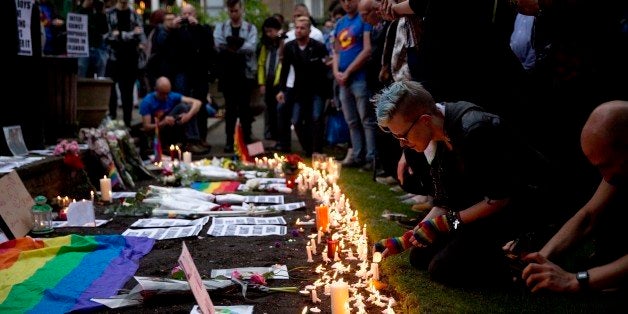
349, 34
151, 105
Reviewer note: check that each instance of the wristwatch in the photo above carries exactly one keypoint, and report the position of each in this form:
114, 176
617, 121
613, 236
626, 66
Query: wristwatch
583, 279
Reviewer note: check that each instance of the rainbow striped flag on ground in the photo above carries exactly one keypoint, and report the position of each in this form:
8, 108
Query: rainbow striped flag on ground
62, 274
216, 187
240, 145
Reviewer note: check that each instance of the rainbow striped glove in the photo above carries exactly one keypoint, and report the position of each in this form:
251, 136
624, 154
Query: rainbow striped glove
427, 231
395, 245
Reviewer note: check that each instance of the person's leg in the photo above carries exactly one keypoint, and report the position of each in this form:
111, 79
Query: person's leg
231, 116
318, 124
126, 84
101, 63
367, 117
83, 65
191, 127
244, 108
113, 96
284, 119
299, 109
352, 117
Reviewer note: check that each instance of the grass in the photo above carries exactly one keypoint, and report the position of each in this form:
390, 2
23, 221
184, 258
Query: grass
418, 294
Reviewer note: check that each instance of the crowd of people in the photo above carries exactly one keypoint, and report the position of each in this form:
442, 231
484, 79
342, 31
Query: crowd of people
492, 115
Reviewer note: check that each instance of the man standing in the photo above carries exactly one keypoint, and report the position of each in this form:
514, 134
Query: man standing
174, 114
236, 41
124, 37
352, 51
306, 105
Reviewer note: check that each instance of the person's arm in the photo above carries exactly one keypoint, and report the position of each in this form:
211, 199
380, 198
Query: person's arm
195, 107
286, 62
362, 57
581, 224
250, 42
261, 71
219, 39
148, 124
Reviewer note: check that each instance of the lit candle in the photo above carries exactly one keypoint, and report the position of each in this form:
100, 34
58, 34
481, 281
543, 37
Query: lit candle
91, 193
63, 214
315, 298
336, 256
375, 271
187, 158
322, 217
308, 249
172, 152
332, 248
339, 297
105, 189
178, 152
320, 234
313, 246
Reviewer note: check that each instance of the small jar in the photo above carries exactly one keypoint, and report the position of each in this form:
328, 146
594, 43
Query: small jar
42, 215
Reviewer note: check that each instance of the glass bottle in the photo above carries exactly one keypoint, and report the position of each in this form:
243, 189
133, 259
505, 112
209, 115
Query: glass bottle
42, 215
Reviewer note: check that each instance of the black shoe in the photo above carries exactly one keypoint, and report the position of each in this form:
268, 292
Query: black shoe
197, 149
352, 164
228, 149
408, 223
205, 144
367, 167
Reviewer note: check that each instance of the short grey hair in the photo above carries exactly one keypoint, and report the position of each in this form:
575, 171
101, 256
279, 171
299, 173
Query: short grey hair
402, 97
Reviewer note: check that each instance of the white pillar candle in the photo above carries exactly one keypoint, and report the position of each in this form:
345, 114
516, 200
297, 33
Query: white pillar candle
105, 189
308, 249
187, 158
313, 245
339, 297
375, 271
320, 234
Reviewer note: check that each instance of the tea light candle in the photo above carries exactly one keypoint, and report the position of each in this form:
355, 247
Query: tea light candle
339, 297
187, 158
105, 189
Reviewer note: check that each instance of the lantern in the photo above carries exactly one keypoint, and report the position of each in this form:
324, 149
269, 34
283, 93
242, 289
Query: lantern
42, 214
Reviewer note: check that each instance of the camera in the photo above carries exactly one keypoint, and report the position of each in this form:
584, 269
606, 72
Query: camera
184, 22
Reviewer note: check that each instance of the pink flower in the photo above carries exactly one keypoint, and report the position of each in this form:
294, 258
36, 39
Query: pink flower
258, 279
236, 275
72, 147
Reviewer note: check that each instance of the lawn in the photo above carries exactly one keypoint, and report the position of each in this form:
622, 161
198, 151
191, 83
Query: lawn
418, 294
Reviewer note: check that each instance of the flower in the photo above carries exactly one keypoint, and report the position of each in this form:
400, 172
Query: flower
291, 163
70, 153
177, 273
258, 279
236, 275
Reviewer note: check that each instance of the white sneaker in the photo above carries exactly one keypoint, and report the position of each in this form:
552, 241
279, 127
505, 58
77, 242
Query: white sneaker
416, 200
349, 156
389, 180
406, 196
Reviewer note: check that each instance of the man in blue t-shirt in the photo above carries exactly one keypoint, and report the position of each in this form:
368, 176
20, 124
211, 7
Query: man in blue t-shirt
174, 114
351, 52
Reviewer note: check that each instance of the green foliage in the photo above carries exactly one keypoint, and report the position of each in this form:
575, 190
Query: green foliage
255, 12
414, 290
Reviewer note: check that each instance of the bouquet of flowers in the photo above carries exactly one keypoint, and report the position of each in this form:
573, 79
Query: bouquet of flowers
70, 152
291, 164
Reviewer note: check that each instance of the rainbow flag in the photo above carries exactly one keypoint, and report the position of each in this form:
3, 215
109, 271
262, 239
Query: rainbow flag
240, 145
62, 274
216, 187
114, 175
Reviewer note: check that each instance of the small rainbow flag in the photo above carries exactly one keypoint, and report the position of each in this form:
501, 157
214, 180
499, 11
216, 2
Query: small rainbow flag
221, 187
114, 175
62, 274
240, 145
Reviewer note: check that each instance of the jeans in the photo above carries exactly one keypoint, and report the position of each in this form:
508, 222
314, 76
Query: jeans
309, 123
96, 63
191, 127
360, 116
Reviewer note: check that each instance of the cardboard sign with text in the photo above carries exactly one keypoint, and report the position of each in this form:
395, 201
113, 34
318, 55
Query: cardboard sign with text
15, 207
196, 283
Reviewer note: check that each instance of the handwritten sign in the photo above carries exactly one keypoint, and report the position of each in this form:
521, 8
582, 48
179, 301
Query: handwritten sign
77, 42
196, 283
24, 12
15, 206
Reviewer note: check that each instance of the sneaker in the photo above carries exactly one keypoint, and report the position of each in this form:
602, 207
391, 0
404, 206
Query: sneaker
406, 196
197, 149
421, 207
367, 167
348, 156
416, 200
205, 144
352, 164
408, 223
396, 188
389, 180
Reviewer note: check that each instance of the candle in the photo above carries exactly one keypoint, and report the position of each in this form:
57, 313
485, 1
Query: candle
375, 271
339, 297
308, 249
313, 246
336, 256
178, 152
63, 214
315, 298
91, 193
105, 189
332, 248
320, 234
322, 217
187, 158
172, 152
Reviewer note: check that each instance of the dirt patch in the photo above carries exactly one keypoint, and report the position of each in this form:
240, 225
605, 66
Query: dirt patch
229, 252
